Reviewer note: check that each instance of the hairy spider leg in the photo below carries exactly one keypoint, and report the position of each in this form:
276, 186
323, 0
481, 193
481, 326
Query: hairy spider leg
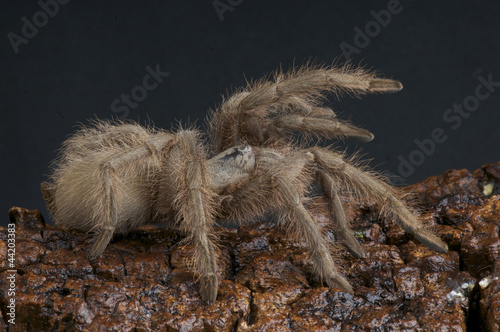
340, 225
281, 186
245, 116
195, 202
105, 230
367, 186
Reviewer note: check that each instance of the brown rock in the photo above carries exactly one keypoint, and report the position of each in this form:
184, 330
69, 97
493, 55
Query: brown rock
267, 271
490, 303
408, 282
325, 308
446, 303
143, 282
454, 235
453, 182
489, 212
480, 251
489, 173
427, 260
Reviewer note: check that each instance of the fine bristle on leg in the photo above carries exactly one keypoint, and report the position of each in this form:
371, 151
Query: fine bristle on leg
340, 225
194, 201
295, 92
104, 230
368, 186
305, 228
48, 196
320, 127
385, 86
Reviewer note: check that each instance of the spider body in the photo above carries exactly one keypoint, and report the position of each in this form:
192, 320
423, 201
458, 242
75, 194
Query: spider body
112, 177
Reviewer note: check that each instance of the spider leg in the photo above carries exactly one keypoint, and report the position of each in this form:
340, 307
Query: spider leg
92, 139
322, 112
317, 126
48, 196
234, 122
200, 223
281, 186
315, 121
304, 227
341, 226
105, 230
308, 119
366, 185
194, 201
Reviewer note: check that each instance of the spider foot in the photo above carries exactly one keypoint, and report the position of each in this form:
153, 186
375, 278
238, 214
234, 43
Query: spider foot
431, 240
101, 241
385, 86
338, 281
209, 286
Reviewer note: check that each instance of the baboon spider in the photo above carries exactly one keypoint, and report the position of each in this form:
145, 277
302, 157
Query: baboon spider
111, 177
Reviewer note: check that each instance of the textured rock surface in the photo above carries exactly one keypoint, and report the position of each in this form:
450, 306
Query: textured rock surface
142, 281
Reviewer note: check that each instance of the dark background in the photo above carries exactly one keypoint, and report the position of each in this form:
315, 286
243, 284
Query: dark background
91, 52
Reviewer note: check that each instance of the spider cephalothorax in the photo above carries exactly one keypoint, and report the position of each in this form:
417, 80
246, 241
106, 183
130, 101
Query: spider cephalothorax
111, 177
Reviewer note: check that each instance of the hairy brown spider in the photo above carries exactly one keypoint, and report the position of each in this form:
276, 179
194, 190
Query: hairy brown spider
111, 177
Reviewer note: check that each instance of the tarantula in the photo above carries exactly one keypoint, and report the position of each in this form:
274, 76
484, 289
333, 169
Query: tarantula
111, 177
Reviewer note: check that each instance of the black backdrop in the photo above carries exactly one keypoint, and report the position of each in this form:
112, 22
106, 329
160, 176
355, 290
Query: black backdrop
67, 61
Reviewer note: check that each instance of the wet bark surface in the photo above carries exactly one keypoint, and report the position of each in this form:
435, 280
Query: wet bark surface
142, 281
